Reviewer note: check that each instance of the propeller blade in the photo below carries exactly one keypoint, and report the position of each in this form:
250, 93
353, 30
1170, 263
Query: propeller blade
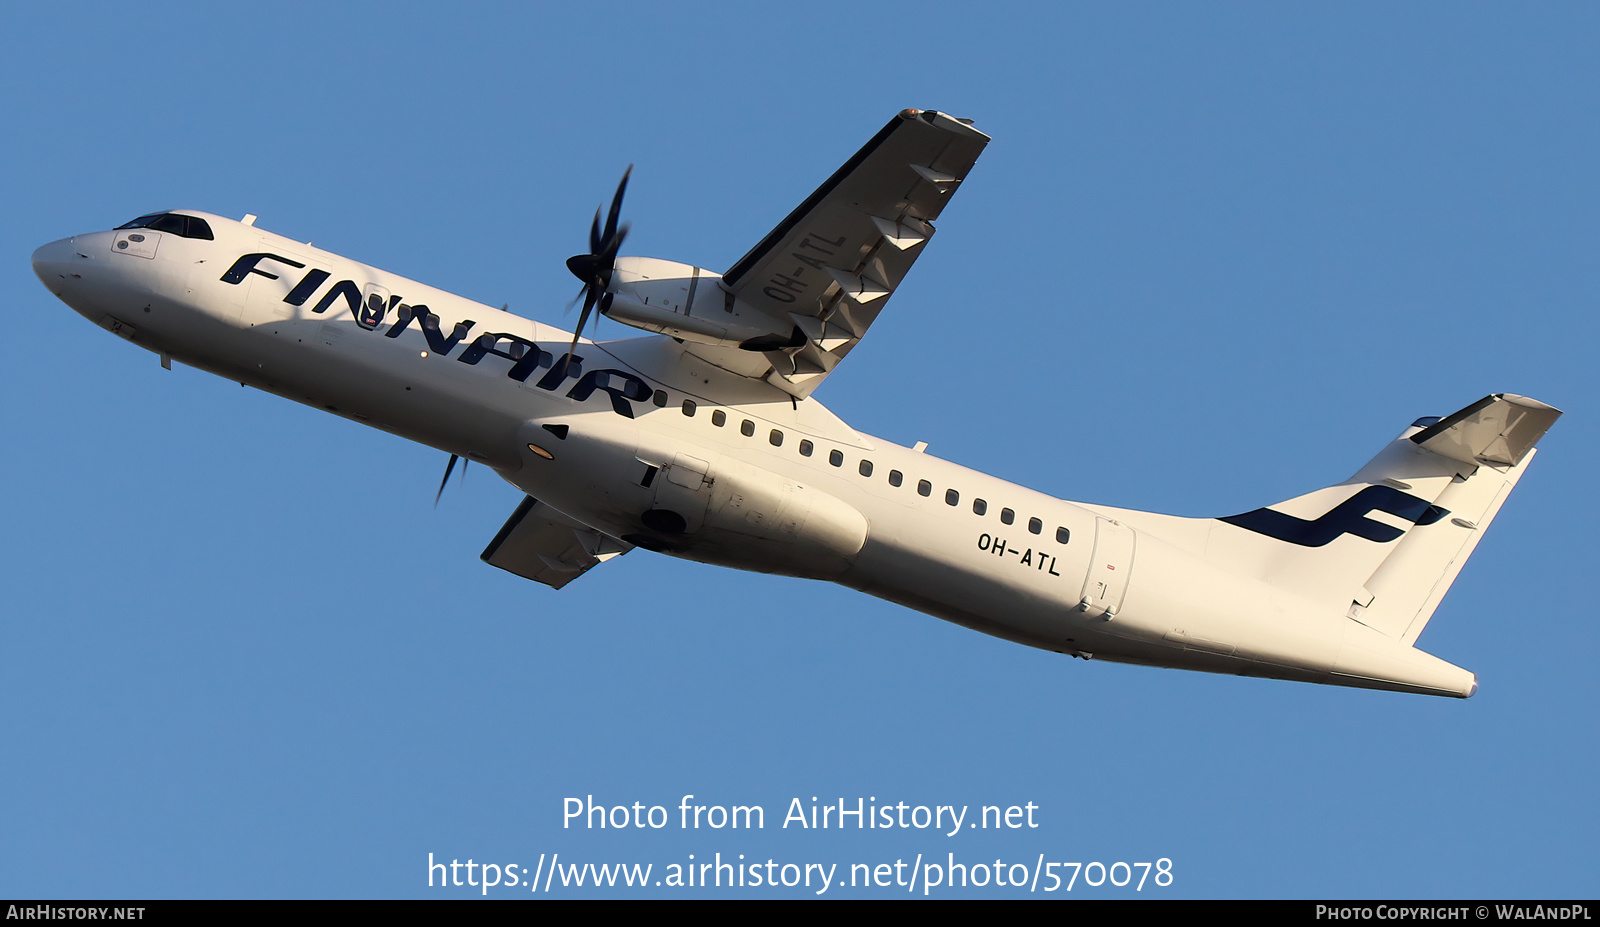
608, 259
589, 299
616, 206
447, 469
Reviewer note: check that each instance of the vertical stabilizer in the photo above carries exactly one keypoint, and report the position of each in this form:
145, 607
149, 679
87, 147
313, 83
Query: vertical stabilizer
1384, 546
1491, 442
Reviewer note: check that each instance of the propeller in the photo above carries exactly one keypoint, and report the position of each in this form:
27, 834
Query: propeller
594, 268
447, 470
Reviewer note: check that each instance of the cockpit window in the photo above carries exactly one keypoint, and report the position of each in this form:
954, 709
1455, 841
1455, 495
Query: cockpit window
199, 228
182, 226
177, 225
141, 222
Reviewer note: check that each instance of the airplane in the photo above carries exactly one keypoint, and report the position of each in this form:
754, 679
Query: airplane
701, 440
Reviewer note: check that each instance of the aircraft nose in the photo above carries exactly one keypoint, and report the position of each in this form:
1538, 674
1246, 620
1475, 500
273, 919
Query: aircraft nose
52, 264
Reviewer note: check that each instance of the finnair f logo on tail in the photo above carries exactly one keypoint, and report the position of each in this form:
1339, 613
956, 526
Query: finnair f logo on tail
1348, 517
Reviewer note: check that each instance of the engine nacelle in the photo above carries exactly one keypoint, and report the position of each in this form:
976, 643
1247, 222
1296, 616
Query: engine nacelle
689, 303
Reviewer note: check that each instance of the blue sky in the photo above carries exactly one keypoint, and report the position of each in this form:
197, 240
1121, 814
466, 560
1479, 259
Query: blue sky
1215, 256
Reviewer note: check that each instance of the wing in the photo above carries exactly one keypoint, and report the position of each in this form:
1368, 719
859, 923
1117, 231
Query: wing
834, 262
541, 544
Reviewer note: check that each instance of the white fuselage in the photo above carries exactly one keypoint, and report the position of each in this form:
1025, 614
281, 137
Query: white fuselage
778, 485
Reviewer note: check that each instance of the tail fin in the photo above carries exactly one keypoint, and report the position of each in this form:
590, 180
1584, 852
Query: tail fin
1387, 543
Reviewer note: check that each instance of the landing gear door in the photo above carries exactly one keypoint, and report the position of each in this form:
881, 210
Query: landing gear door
1112, 563
685, 488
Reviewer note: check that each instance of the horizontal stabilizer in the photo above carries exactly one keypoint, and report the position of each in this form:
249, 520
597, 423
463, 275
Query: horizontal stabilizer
539, 543
1498, 430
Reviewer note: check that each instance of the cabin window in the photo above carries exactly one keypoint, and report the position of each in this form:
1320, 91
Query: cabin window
719, 418
924, 488
979, 506
1062, 535
806, 447
1035, 526
747, 428
836, 458
660, 398
896, 477
865, 468
776, 438
951, 497
1007, 516
688, 407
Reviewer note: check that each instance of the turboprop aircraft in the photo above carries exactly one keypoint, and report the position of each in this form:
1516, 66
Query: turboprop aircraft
702, 441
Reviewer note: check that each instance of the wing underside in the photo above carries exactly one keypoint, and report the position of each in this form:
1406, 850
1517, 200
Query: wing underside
541, 544
830, 267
